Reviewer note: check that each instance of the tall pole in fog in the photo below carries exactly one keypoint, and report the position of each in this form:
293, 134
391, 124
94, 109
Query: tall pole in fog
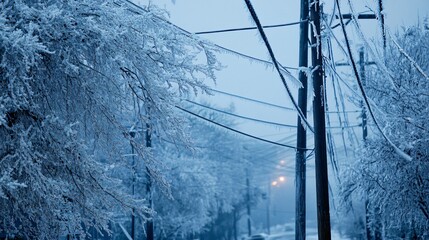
149, 223
322, 193
268, 208
249, 224
301, 144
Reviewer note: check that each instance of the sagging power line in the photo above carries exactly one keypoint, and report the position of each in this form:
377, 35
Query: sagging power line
272, 104
248, 28
276, 64
206, 44
235, 130
260, 120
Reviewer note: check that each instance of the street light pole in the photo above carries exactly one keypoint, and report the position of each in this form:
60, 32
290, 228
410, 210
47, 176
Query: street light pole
249, 224
272, 183
149, 223
268, 207
133, 217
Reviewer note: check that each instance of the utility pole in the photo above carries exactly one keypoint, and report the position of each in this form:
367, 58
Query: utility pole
362, 74
235, 223
249, 224
362, 64
133, 217
364, 133
301, 143
268, 208
322, 193
383, 30
359, 16
149, 223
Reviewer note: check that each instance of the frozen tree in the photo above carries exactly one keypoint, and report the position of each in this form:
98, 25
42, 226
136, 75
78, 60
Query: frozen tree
397, 191
207, 179
74, 76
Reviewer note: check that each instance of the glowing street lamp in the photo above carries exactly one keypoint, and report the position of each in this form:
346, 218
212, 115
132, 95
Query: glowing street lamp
274, 184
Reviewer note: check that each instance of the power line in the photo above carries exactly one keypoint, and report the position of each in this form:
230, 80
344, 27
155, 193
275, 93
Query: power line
252, 100
344, 127
242, 117
335, 85
375, 55
190, 35
236, 131
271, 104
251, 58
268, 163
262, 121
186, 33
275, 134
274, 60
249, 28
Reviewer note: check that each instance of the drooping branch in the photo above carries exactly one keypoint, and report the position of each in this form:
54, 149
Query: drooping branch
401, 153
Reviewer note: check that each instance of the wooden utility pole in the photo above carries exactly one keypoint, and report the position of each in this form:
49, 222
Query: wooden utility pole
362, 74
249, 224
149, 223
359, 16
322, 193
383, 30
235, 224
133, 217
268, 208
363, 78
301, 143
362, 64
364, 134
